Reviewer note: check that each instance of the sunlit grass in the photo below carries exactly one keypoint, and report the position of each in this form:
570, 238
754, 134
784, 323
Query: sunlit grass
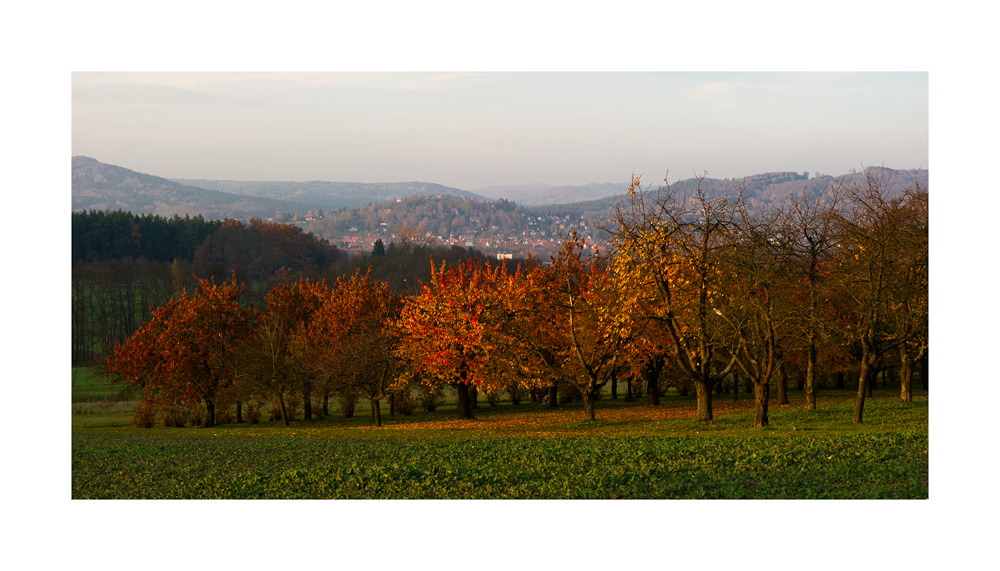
675, 416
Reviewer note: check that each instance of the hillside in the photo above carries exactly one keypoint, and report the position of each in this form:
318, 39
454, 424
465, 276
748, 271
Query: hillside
491, 227
100, 186
425, 212
760, 190
330, 195
543, 194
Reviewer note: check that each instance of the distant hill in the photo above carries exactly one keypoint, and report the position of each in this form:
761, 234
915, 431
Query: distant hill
538, 194
330, 195
759, 190
100, 186
542, 212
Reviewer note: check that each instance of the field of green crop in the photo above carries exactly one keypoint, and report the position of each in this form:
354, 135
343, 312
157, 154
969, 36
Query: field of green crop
632, 451
136, 466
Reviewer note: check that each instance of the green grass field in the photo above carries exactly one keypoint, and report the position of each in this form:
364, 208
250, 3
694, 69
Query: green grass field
90, 386
528, 451
202, 466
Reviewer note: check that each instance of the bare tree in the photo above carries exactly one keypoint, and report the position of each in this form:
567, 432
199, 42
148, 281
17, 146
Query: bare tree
810, 226
874, 231
755, 304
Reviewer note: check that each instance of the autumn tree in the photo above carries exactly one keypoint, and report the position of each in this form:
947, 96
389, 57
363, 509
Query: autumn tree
269, 355
349, 343
668, 247
809, 226
570, 321
451, 330
188, 350
753, 301
909, 295
874, 232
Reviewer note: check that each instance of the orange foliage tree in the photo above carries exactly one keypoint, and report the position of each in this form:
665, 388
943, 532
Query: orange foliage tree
668, 247
451, 333
187, 351
270, 360
570, 321
347, 343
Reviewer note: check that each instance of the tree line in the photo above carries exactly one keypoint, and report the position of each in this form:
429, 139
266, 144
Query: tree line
695, 288
124, 265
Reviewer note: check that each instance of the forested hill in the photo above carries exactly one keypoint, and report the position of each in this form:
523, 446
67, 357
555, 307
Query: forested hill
540, 194
331, 195
100, 186
759, 190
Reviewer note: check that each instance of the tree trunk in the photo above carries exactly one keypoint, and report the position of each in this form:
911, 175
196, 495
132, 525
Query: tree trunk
736, 387
392, 404
652, 373
704, 391
326, 404
210, 417
473, 396
628, 391
377, 411
905, 374
614, 385
464, 411
840, 380
905, 383
239, 413
870, 381
588, 404
553, 394
859, 401
760, 397
284, 411
781, 378
810, 378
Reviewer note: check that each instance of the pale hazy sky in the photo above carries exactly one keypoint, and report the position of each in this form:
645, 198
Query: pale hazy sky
472, 130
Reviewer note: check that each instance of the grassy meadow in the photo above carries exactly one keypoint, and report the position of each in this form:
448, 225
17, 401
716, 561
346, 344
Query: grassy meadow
632, 450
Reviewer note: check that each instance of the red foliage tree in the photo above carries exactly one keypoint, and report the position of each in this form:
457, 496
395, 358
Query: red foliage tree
451, 332
187, 350
346, 342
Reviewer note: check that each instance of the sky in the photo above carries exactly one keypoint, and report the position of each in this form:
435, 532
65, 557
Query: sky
475, 130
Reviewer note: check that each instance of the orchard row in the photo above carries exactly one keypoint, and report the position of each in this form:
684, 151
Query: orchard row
702, 284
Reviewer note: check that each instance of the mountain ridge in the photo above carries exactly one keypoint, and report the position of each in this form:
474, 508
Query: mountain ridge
330, 194
101, 186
